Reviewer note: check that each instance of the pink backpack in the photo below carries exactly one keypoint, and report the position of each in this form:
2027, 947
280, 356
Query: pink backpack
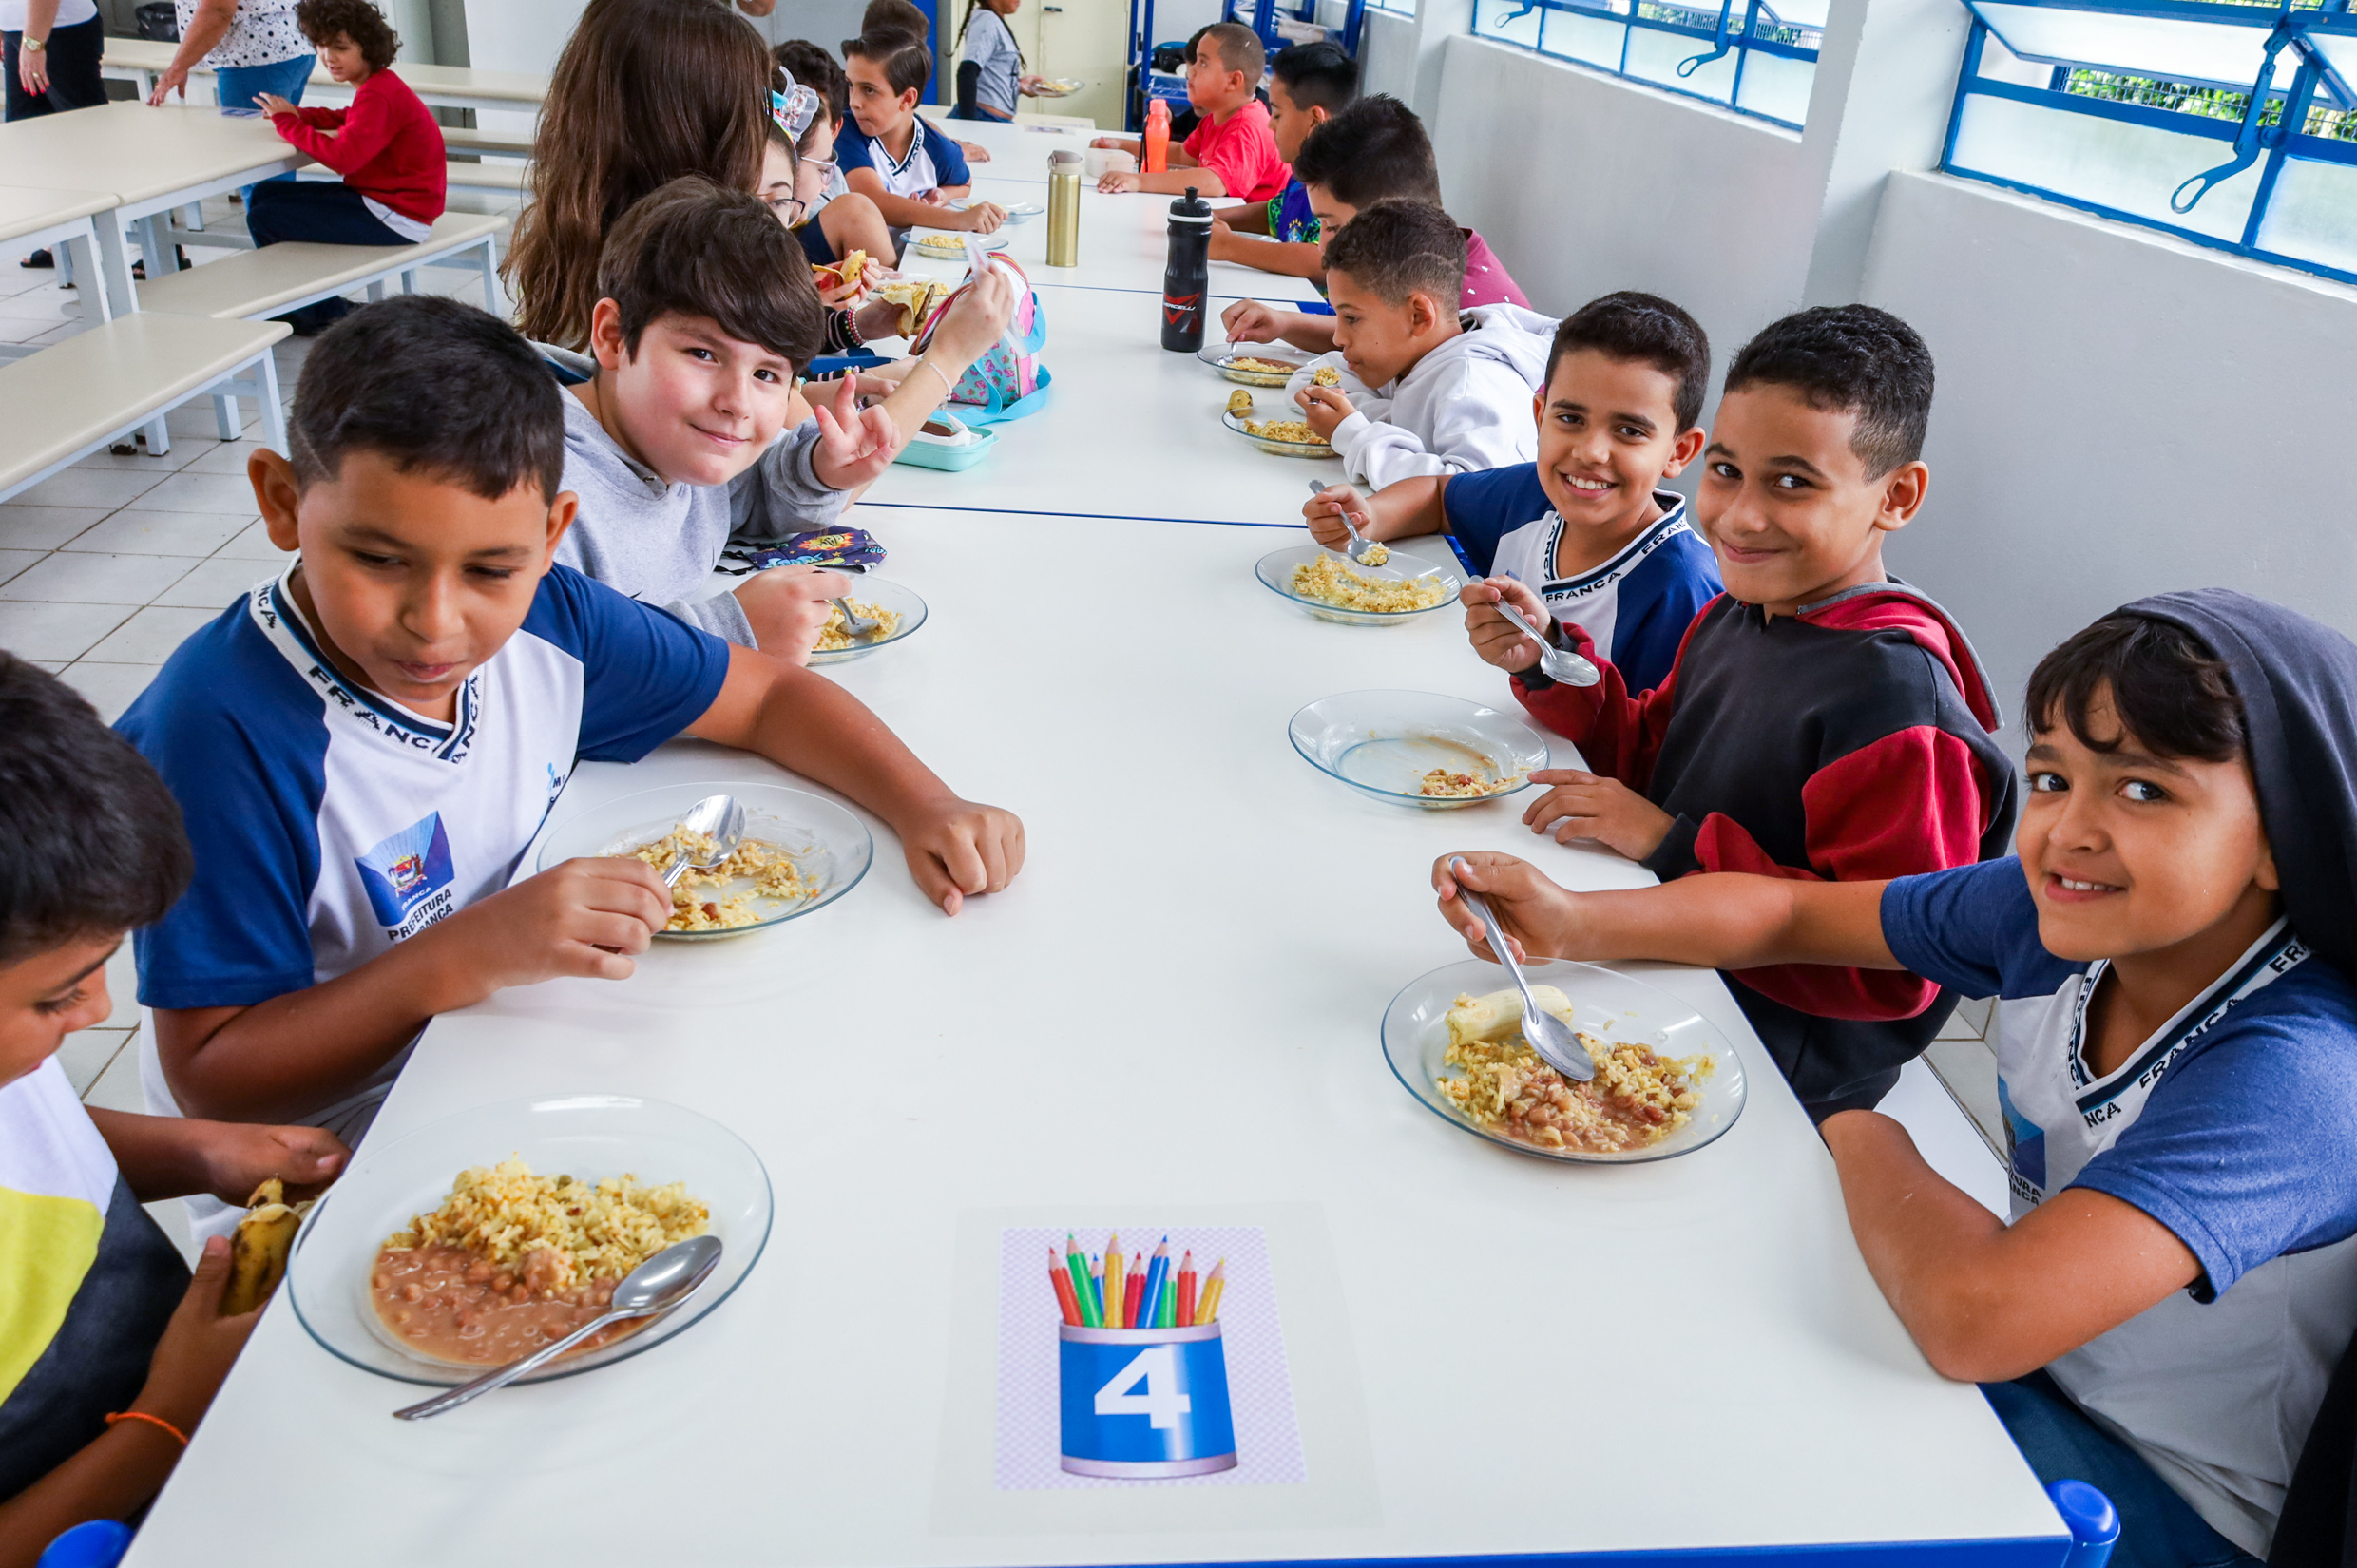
1008, 381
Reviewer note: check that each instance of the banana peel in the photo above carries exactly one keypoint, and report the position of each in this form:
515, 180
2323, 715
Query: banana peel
257, 1250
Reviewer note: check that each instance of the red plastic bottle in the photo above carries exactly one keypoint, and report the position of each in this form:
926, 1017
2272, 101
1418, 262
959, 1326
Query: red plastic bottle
1157, 143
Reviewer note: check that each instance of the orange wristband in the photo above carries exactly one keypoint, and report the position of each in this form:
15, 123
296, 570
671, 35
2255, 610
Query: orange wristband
179, 1436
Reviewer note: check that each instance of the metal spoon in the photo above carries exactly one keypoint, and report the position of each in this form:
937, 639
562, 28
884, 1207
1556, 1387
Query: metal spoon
1542, 1030
719, 817
855, 625
1360, 548
656, 1286
1559, 663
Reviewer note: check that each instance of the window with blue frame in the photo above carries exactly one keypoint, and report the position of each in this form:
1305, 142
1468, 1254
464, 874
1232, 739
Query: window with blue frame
1754, 56
1397, 7
2227, 124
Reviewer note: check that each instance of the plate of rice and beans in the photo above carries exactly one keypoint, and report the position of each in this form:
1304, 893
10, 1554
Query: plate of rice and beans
476, 1240
1332, 587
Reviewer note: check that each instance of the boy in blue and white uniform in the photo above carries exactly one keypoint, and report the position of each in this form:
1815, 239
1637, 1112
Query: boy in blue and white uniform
2175, 1034
365, 745
1588, 527
891, 154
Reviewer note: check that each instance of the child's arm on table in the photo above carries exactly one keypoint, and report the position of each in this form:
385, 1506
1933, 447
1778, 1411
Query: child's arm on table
1250, 322
1985, 1301
364, 131
1397, 511
1299, 260
906, 212
1176, 181
1251, 217
164, 1157
118, 1471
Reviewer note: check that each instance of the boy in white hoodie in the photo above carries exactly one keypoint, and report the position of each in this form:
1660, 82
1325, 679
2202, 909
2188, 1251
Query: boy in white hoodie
1416, 386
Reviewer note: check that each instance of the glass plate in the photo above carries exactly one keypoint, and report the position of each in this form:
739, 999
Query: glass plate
586, 1136
1380, 743
1415, 1038
951, 245
890, 596
1218, 356
1279, 448
1276, 571
1016, 212
825, 840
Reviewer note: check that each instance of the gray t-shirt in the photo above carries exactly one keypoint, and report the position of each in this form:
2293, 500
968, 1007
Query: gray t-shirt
660, 543
991, 46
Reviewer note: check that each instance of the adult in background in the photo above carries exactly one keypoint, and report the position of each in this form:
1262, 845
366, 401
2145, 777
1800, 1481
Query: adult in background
51, 48
253, 46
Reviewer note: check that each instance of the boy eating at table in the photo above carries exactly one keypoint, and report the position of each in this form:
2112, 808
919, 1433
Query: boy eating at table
1588, 526
1822, 720
1415, 385
894, 157
109, 1352
1309, 84
1232, 151
366, 743
2170, 944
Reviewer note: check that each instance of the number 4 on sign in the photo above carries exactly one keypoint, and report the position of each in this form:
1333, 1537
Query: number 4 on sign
1162, 1403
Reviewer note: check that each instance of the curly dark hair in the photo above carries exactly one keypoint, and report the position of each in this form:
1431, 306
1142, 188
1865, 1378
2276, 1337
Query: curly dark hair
1849, 358
325, 20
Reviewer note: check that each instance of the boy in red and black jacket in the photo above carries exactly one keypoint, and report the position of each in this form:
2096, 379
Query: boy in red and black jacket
1823, 721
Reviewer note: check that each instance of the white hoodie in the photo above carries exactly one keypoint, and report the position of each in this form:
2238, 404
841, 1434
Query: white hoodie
1463, 406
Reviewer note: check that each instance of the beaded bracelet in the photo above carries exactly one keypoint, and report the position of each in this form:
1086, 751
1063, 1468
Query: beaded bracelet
178, 1435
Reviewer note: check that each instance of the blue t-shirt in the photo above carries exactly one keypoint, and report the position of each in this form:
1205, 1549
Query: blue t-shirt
933, 159
2234, 1126
329, 822
1291, 220
1636, 606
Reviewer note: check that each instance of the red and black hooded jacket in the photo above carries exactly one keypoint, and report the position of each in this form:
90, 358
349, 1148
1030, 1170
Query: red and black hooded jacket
1850, 742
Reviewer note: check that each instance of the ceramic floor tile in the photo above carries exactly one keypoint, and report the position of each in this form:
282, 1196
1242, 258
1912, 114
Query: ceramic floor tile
57, 631
110, 688
49, 307
192, 491
214, 584
104, 489
1969, 1069
164, 533
123, 989
86, 1053
13, 562
225, 457
254, 545
196, 421
70, 579
140, 460
30, 527
116, 1089
149, 636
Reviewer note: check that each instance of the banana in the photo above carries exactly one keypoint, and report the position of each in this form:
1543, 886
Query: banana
257, 1250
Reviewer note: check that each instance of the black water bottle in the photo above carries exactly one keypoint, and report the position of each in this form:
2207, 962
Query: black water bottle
1187, 278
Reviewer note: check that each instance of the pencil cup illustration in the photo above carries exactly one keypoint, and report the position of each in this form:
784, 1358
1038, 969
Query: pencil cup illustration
1144, 1373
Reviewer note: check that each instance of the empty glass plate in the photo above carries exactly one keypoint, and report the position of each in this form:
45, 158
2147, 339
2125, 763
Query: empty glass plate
587, 1137
1605, 1004
1385, 745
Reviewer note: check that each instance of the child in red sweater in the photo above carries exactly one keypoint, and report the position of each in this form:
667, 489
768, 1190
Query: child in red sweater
385, 145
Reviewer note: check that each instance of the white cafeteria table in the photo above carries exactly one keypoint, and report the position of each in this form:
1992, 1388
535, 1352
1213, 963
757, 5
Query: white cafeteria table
1173, 1012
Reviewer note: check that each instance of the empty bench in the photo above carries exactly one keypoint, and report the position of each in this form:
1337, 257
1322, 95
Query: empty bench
276, 279
84, 393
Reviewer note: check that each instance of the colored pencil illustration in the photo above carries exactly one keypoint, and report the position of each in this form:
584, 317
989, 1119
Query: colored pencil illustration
1092, 1316
1215, 1286
1114, 1279
1133, 1293
1157, 1274
1118, 1290
1065, 1302
1186, 1291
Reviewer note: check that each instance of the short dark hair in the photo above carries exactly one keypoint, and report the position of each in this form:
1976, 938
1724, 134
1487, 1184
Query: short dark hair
324, 21
1647, 330
907, 64
434, 386
884, 16
1854, 359
90, 840
1239, 47
817, 71
2171, 692
1374, 150
1316, 76
698, 248
1394, 249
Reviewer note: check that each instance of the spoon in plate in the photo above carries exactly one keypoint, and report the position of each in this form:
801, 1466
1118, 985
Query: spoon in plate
1362, 548
854, 624
654, 1287
1542, 1030
719, 817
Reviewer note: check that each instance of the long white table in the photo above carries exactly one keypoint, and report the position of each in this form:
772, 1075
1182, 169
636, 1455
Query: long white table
1173, 1014
140, 61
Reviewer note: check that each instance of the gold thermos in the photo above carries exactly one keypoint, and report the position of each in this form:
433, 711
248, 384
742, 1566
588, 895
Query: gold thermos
1063, 209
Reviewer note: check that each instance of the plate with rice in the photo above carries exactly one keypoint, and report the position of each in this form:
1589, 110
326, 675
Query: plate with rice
1254, 364
551, 1202
1667, 1082
1404, 587
1282, 436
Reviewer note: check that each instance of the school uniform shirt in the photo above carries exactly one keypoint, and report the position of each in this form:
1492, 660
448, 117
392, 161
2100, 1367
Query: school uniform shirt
1853, 741
87, 1280
933, 159
1242, 152
1485, 278
2234, 1126
991, 45
1466, 405
385, 145
1634, 607
330, 822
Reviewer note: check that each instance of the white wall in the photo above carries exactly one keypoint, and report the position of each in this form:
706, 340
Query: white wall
2118, 413
1387, 55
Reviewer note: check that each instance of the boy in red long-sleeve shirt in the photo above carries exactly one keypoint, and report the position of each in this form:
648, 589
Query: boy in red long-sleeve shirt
385, 145
1823, 721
